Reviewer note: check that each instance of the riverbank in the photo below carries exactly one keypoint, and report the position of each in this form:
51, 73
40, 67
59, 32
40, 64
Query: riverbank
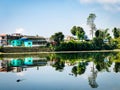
25, 49
115, 50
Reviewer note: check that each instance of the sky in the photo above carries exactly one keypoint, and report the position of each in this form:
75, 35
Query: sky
46, 17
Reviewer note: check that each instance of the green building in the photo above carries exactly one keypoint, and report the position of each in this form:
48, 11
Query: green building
16, 62
21, 42
28, 61
16, 43
27, 43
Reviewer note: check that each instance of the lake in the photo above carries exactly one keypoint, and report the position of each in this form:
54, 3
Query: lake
71, 71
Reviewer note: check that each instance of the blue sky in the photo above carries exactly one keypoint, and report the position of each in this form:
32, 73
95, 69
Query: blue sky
45, 17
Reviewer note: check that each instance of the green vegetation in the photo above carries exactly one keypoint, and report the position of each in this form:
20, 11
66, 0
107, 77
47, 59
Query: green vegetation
1, 49
79, 32
101, 39
57, 38
116, 32
78, 61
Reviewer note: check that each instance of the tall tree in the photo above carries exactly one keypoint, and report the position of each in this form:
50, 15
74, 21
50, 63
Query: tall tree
57, 37
90, 22
78, 31
116, 32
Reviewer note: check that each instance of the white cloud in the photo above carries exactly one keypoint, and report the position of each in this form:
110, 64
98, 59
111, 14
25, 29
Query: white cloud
112, 8
108, 1
19, 30
110, 5
101, 1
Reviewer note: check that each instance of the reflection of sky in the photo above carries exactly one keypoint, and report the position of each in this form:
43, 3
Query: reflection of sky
46, 78
20, 74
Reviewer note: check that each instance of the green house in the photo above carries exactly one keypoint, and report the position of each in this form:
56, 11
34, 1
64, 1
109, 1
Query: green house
16, 43
21, 42
28, 61
16, 62
28, 43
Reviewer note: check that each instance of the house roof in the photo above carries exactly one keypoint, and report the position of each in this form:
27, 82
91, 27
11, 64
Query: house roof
33, 37
3, 34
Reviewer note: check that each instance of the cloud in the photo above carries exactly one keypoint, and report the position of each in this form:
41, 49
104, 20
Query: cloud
19, 30
112, 8
101, 1
108, 1
109, 5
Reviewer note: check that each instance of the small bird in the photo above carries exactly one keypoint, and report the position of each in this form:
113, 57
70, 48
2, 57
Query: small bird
18, 80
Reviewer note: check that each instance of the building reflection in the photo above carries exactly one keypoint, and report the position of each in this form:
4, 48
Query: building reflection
18, 65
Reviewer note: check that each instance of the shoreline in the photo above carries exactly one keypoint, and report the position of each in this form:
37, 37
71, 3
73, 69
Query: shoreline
116, 50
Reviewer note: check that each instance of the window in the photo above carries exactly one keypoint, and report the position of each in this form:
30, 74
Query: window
29, 43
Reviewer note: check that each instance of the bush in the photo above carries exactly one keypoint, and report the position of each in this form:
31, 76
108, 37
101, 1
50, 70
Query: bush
96, 44
73, 46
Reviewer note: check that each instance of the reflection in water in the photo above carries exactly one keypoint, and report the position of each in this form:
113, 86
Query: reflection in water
117, 67
18, 65
92, 78
80, 68
78, 64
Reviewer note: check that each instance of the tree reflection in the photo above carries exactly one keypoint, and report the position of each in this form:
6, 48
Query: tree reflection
117, 67
58, 64
102, 61
92, 78
79, 69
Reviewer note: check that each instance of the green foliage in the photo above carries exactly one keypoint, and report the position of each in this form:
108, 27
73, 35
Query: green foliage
103, 34
79, 69
116, 32
98, 33
73, 30
116, 42
78, 31
73, 46
95, 44
98, 43
57, 37
1, 49
59, 64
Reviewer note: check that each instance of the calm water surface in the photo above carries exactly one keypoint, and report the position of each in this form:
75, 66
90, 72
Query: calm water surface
80, 71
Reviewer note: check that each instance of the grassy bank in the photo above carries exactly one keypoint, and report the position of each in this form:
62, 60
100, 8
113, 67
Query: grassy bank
25, 49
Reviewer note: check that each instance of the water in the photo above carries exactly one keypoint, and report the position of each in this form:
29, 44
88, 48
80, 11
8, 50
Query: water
78, 71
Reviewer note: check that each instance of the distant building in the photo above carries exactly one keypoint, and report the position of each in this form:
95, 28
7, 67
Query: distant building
68, 38
16, 43
16, 39
5, 39
37, 40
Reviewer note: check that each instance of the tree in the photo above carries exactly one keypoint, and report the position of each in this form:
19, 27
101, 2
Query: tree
116, 32
78, 31
57, 37
90, 22
73, 30
98, 33
103, 34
